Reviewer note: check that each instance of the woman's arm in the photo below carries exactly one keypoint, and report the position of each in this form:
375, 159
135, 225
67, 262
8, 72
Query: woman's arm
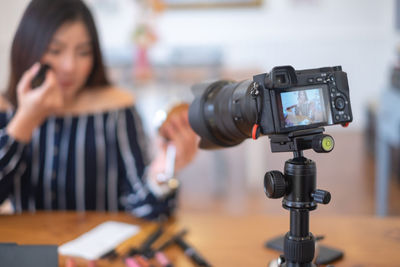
34, 105
12, 158
141, 196
135, 195
16, 131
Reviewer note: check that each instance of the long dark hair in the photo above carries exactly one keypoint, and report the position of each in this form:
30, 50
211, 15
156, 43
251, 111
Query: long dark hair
40, 21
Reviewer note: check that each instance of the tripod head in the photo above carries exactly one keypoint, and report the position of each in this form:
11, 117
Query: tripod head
277, 185
298, 141
297, 186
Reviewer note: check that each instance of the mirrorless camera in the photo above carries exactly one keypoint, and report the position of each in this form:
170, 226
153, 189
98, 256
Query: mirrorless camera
285, 100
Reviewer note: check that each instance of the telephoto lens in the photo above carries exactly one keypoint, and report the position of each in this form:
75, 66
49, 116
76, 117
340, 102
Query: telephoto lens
223, 113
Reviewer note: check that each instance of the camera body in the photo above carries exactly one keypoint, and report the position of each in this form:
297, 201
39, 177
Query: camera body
283, 101
295, 100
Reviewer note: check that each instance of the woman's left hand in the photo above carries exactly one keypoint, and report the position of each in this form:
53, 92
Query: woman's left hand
178, 131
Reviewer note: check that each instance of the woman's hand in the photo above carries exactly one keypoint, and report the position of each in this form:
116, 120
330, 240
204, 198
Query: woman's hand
175, 131
178, 143
34, 106
178, 131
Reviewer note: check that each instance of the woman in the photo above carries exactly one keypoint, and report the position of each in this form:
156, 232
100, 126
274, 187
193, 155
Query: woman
76, 142
302, 107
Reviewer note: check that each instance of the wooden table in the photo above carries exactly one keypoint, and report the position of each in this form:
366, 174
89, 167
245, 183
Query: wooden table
223, 240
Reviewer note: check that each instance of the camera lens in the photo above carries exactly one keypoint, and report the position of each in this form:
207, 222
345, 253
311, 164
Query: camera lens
223, 113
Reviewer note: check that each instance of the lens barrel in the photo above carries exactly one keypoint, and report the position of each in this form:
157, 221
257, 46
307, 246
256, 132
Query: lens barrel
223, 113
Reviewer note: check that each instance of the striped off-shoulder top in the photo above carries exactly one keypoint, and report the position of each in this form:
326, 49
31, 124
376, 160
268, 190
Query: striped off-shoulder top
81, 162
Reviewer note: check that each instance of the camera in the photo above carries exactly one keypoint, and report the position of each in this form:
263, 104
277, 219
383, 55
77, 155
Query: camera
40, 76
225, 113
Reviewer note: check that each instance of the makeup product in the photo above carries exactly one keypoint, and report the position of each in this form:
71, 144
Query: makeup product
131, 245
171, 241
170, 161
168, 176
146, 244
151, 238
112, 254
143, 261
163, 260
131, 262
70, 262
159, 255
40, 76
192, 253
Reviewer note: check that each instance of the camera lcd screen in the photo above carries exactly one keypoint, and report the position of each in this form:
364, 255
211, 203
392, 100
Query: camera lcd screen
304, 107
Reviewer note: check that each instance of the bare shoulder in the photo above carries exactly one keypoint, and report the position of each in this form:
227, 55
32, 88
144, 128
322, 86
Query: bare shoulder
102, 99
121, 97
4, 104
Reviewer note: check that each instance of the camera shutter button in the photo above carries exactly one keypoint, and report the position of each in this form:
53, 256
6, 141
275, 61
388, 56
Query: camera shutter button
340, 103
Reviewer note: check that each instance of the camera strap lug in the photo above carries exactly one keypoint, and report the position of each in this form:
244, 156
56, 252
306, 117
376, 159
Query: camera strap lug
255, 93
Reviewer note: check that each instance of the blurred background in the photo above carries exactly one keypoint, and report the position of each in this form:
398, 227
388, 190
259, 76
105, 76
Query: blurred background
159, 48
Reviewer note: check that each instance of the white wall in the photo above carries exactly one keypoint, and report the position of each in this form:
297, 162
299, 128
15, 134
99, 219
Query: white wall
357, 34
10, 14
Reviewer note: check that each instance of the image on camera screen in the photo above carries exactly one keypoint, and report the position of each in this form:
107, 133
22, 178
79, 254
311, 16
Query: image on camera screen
304, 107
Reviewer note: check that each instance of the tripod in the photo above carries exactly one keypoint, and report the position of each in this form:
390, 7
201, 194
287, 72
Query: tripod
297, 186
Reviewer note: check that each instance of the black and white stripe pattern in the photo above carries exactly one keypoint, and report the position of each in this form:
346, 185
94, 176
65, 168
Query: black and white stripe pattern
112, 172
17, 187
15, 152
81, 162
34, 168
100, 161
48, 165
129, 159
62, 165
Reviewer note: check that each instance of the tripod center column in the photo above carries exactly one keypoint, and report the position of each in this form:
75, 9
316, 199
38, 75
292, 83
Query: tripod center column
299, 244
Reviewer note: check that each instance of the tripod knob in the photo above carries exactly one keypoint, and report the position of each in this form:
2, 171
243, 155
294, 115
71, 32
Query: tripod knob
321, 196
274, 184
323, 143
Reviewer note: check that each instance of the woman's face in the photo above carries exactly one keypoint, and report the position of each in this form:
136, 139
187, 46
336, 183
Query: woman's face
301, 96
70, 56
